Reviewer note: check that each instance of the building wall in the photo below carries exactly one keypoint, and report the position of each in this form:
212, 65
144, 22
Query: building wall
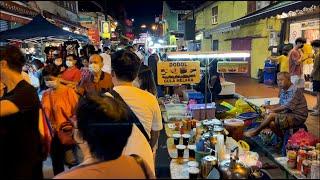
171, 19
58, 10
227, 11
259, 29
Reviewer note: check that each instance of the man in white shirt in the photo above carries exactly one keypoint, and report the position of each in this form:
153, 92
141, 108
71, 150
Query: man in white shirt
106, 60
125, 66
138, 53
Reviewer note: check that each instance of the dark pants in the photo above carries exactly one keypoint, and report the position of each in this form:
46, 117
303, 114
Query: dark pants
58, 152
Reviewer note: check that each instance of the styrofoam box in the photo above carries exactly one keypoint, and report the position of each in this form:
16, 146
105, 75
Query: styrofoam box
228, 88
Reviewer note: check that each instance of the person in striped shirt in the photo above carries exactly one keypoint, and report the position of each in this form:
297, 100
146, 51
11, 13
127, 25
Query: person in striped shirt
291, 112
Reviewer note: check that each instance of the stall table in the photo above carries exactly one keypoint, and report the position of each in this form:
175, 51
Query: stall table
282, 161
179, 171
273, 155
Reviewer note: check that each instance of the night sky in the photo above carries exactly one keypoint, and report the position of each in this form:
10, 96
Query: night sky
142, 11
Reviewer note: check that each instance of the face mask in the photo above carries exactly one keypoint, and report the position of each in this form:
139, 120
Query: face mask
58, 63
51, 84
69, 63
94, 68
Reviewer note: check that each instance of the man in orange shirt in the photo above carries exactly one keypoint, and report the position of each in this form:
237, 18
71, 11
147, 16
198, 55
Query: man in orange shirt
96, 81
72, 75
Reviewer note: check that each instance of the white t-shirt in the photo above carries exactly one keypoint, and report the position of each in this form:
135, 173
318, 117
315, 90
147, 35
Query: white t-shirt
144, 105
138, 144
106, 62
138, 53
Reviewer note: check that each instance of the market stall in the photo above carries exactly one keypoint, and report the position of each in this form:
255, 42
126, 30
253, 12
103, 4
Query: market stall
204, 142
215, 148
43, 34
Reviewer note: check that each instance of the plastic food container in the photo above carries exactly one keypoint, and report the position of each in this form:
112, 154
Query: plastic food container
235, 128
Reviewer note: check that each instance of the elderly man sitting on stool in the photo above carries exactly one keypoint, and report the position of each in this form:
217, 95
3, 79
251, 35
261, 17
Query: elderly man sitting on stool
291, 112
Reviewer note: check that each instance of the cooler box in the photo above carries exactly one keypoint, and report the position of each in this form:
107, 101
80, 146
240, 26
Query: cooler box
191, 94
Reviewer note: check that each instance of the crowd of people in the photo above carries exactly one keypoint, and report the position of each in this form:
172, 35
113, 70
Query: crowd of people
94, 123
302, 63
292, 110
102, 112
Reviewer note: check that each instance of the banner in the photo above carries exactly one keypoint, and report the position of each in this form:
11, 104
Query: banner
93, 34
232, 67
178, 72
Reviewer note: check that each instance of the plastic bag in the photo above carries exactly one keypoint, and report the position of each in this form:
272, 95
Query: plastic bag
228, 105
301, 137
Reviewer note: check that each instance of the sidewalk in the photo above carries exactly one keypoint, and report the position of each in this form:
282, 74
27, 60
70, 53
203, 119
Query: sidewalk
251, 88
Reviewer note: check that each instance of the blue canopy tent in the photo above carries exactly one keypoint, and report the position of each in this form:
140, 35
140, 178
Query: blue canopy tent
40, 29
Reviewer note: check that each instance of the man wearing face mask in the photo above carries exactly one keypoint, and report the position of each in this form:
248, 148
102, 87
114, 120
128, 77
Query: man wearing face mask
97, 81
72, 75
20, 152
295, 63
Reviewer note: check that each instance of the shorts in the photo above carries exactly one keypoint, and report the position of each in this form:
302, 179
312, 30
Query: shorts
285, 121
307, 68
316, 86
297, 81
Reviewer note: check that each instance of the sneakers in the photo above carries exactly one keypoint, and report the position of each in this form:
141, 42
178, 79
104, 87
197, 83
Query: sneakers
315, 113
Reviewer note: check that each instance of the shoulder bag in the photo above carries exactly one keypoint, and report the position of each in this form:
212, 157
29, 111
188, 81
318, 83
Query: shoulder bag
132, 117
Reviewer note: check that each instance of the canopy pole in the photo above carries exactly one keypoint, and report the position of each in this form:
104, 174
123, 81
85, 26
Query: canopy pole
206, 86
42, 51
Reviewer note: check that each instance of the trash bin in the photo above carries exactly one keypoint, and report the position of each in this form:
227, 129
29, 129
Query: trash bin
269, 73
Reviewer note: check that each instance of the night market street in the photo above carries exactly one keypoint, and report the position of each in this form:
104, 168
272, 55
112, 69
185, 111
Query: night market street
159, 89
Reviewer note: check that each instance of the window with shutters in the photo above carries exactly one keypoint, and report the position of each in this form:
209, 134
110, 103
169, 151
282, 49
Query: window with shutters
215, 15
215, 45
4, 25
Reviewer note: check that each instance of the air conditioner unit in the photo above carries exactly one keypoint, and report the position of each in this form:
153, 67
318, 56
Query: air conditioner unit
207, 35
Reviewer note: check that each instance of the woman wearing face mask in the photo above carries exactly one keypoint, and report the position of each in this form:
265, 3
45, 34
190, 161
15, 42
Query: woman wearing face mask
59, 103
96, 81
72, 75
59, 63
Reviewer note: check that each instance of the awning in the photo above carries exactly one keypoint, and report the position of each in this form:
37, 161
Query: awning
273, 10
62, 20
38, 29
4, 15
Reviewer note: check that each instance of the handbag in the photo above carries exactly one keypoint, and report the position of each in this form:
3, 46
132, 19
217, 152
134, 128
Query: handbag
65, 130
65, 133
